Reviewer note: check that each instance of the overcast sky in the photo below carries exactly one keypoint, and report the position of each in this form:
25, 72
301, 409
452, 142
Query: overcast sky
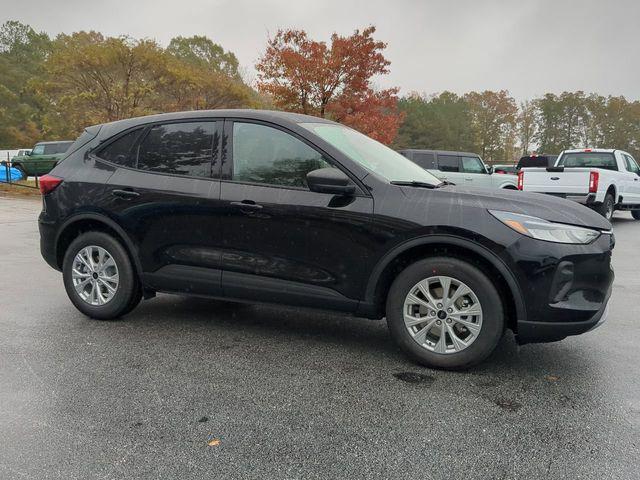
528, 47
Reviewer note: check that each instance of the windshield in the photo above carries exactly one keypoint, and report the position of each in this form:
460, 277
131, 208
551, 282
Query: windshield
372, 155
604, 160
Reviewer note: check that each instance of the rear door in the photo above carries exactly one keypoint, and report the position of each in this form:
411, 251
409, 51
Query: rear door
164, 191
283, 242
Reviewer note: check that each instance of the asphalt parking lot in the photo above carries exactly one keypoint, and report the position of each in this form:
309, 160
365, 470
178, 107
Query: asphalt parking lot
193, 388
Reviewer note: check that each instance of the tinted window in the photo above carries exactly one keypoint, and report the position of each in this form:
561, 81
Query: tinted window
448, 163
589, 160
425, 160
472, 165
178, 148
122, 151
263, 154
537, 161
55, 148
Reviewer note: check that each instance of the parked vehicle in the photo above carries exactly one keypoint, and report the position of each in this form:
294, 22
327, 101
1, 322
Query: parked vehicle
505, 169
603, 179
459, 168
536, 160
260, 206
41, 159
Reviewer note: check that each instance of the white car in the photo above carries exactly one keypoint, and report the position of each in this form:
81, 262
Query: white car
603, 179
460, 168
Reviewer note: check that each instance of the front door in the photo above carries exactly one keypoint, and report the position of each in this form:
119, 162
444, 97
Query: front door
632, 190
282, 242
475, 172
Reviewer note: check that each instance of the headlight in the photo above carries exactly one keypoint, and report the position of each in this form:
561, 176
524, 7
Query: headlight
544, 230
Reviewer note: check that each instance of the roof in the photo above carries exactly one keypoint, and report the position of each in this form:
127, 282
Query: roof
49, 143
594, 150
445, 152
274, 116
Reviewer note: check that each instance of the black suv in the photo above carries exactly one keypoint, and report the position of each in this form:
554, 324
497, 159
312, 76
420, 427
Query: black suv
263, 206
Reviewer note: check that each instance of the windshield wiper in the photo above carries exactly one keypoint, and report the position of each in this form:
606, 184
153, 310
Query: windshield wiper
414, 183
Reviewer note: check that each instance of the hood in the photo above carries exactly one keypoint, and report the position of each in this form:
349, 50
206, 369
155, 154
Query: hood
539, 205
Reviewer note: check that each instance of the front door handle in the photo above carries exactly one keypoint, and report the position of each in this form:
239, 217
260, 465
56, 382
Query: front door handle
468, 179
247, 205
126, 194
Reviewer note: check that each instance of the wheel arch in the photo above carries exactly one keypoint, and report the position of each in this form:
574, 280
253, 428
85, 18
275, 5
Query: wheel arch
85, 222
436, 245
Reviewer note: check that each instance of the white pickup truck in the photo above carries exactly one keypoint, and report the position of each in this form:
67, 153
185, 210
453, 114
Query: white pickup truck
603, 179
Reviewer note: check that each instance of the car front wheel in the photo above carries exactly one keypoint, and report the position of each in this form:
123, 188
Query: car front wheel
99, 277
445, 313
635, 214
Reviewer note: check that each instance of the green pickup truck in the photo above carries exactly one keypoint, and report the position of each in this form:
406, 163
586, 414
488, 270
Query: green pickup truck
42, 158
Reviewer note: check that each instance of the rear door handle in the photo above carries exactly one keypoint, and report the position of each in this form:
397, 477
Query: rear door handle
247, 205
126, 194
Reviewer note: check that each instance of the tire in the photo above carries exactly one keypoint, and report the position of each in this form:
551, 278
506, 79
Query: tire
483, 292
607, 207
635, 214
126, 292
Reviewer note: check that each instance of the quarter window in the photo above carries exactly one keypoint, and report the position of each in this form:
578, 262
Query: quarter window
448, 163
267, 155
178, 148
122, 150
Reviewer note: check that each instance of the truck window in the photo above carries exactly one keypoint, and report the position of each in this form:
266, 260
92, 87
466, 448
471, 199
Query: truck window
472, 165
425, 160
604, 160
632, 166
448, 163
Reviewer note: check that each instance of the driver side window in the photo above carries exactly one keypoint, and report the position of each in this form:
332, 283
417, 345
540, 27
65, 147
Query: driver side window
37, 150
263, 154
632, 166
472, 165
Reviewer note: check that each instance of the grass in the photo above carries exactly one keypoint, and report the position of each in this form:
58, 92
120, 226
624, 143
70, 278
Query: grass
19, 189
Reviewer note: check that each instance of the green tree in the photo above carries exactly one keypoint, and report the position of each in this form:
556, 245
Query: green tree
204, 53
493, 119
22, 53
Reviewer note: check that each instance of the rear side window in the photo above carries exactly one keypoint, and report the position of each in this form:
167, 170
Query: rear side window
448, 163
425, 160
604, 160
178, 148
55, 148
122, 150
472, 165
267, 155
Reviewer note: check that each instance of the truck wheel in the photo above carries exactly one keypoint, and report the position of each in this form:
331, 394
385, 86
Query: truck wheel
99, 277
635, 214
445, 313
607, 207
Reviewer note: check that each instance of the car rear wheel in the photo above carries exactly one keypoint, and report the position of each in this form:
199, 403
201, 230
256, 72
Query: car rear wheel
99, 277
607, 207
445, 313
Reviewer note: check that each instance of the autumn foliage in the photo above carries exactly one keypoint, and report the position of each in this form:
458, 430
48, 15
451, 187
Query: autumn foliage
331, 81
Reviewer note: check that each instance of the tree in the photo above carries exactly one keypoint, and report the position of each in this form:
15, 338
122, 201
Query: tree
307, 76
22, 53
526, 125
493, 119
204, 53
95, 79
436, 122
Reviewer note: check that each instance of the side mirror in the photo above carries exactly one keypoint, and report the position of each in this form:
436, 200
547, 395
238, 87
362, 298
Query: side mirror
489, 169
330, 180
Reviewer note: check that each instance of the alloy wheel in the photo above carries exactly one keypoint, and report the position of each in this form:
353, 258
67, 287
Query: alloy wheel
442, 314
95, 275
